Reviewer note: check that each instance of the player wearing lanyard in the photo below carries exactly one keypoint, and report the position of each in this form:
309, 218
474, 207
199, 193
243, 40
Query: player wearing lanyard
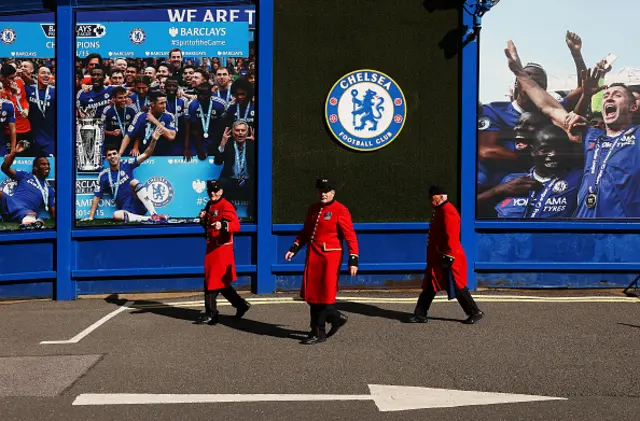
222, 86
144, 124
140, 98
610, 185
177, 107
117, 117
204, 124
7, 124
42, 98
32, 194
92, 100
131, 197
241, 108
556, 176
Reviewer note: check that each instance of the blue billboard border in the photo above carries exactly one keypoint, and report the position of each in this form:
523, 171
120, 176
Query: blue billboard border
469, 83
68, 237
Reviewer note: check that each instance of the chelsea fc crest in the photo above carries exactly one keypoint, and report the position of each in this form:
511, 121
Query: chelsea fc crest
160, 191
8, 36
137, 36
365, 110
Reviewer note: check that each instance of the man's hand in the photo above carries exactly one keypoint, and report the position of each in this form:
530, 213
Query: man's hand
518, 186
589, 81
217, 226
202, 214
157, 133
574, 124
135, 152
225, 137
252, 135
574, 42
117, 132
288, 256
447, 261
515, 65
603, 67
24, 113
20, 147
353, 270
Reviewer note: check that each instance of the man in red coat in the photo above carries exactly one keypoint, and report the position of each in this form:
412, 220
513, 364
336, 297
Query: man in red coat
327, 225
446, 261
220, 221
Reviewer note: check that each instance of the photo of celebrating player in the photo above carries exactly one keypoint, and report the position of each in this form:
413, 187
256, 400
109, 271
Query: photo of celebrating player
32, 193
558, 122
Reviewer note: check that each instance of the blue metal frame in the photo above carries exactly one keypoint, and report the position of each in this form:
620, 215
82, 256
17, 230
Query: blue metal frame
468, 141
266, 241
65, 288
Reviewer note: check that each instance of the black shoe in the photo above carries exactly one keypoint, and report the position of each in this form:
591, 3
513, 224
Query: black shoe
335, 326
474, 318
242, 310
313, 340
207, 319
416, 318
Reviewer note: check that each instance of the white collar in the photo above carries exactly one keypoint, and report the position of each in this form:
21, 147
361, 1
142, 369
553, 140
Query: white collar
539, 178
515, 105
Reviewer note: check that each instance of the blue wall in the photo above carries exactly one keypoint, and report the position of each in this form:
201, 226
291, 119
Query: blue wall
68, 262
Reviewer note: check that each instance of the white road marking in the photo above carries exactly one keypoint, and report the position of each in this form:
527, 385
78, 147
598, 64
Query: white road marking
407, 300
386, 398
91, 328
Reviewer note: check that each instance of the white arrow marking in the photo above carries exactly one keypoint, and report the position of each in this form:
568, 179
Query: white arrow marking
386, 398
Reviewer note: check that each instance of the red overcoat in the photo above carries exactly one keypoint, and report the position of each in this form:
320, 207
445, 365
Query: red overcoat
325, 229
444, 239
219, 261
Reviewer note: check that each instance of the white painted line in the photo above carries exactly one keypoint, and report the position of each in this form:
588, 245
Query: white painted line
91, 328
386, 398
407, 300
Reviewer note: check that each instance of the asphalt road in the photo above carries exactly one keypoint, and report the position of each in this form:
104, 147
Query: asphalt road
586, 352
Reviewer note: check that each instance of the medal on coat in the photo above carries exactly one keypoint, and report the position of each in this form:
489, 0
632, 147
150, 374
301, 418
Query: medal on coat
207, 122
44, 191
592, 198
327, 216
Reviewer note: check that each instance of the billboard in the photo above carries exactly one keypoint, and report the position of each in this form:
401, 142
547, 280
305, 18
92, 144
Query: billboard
27, 121
558, 113
165, 101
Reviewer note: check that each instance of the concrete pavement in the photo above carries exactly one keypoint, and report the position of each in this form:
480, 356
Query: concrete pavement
583, 350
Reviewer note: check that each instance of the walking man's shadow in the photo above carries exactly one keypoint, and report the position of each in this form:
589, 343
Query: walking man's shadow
190, 314
374, 311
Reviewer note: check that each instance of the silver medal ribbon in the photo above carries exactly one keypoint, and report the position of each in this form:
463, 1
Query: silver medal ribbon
44, 191
205, 124
246, 112
594, 189
241, 160
42, 106
539, 202
175, 115
114, 191
115, 109
138, 102
148, 131
228, 94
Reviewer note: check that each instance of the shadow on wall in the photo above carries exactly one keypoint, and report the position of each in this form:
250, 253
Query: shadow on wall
451, 43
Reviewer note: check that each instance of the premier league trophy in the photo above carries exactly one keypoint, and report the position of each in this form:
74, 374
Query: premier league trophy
89, 140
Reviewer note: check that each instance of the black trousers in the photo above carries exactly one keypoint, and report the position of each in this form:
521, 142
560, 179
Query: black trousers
210, 306
463, 296
320, 315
